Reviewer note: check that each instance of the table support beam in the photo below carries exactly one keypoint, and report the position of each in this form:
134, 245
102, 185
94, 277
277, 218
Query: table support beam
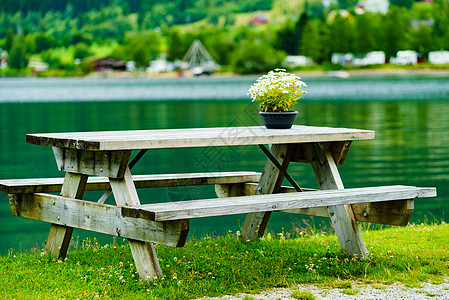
144, 254
59, 237
342, 216
270, 182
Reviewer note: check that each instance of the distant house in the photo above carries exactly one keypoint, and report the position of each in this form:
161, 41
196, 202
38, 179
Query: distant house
292, 61
439, 57
374, 6
109, 64
38, 66
422, 22
370, 58
259, 19
342, 58
406, 57
3, 59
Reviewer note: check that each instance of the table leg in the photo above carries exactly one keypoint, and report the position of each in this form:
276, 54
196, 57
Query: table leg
342, 216
59, 237
144, 254
270, 182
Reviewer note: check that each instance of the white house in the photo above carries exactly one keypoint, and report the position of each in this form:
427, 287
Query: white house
370, 58
292, 61
374, 6
342, 58
406, 57
3, 59
439, 57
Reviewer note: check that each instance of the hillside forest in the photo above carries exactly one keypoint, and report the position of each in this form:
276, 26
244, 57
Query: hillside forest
69, 34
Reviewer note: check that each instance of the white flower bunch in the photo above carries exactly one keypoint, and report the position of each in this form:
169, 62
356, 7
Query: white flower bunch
277, 91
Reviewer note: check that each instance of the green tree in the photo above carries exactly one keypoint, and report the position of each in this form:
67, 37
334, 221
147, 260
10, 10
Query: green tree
30, 44
395, 27
313, 42
341, 35
81, 51
344, 4
140, 48
44, 42
366, 33
255, 57
440, 15
423, 40
18, 57
402, 3
9, 39
177, 45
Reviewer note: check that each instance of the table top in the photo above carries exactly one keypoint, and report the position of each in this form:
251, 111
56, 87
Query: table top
195, 137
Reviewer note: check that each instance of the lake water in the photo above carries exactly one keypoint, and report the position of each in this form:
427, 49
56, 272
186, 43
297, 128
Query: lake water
410, 114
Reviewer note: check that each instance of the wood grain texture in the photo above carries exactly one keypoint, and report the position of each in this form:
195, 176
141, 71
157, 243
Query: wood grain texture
144, 254
396, 213
59, 236
195, 137
100, 218
99, 163
270, 182
342, 216
49, 185
274, 202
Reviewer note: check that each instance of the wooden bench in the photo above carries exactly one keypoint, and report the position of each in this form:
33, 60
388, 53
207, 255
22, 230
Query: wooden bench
167, 223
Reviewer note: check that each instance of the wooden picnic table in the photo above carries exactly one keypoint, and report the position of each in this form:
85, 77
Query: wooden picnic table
108, 154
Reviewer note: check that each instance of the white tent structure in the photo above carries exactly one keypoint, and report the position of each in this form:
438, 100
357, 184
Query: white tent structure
199, 60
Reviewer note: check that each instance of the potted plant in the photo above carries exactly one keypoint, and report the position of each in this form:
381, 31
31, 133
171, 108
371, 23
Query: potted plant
276, 93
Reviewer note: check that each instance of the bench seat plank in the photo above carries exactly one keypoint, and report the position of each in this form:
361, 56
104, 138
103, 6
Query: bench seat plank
50, 185
259, 203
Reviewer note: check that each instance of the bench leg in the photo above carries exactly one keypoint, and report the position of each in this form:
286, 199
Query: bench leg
59, 237
342, 216
270, 182
144, 254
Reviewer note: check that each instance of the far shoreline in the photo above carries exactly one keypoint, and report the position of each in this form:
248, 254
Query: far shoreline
319, 72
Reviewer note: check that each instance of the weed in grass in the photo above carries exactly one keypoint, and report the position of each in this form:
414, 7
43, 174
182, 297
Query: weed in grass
378, 286
341, 284
430, 295
302, 295
246, 297
350, 291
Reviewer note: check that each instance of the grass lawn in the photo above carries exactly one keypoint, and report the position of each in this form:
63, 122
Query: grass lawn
226, 265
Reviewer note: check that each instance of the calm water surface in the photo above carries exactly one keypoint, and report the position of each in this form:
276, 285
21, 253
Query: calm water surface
410, 115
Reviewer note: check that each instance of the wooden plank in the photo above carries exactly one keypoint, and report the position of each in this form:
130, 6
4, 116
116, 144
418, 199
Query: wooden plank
274, 202
396, 213
342, 217
270, 182
391, 213
49, 185
195, 137
58, 240
100, 163
230, 190
250, 189
100, 218
339, 151
144, 254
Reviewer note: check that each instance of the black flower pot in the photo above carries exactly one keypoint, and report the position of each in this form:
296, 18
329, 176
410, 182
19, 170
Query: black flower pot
278, 120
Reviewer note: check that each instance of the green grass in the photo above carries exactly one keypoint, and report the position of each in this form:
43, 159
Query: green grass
225, 265
350, 291
302, 295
